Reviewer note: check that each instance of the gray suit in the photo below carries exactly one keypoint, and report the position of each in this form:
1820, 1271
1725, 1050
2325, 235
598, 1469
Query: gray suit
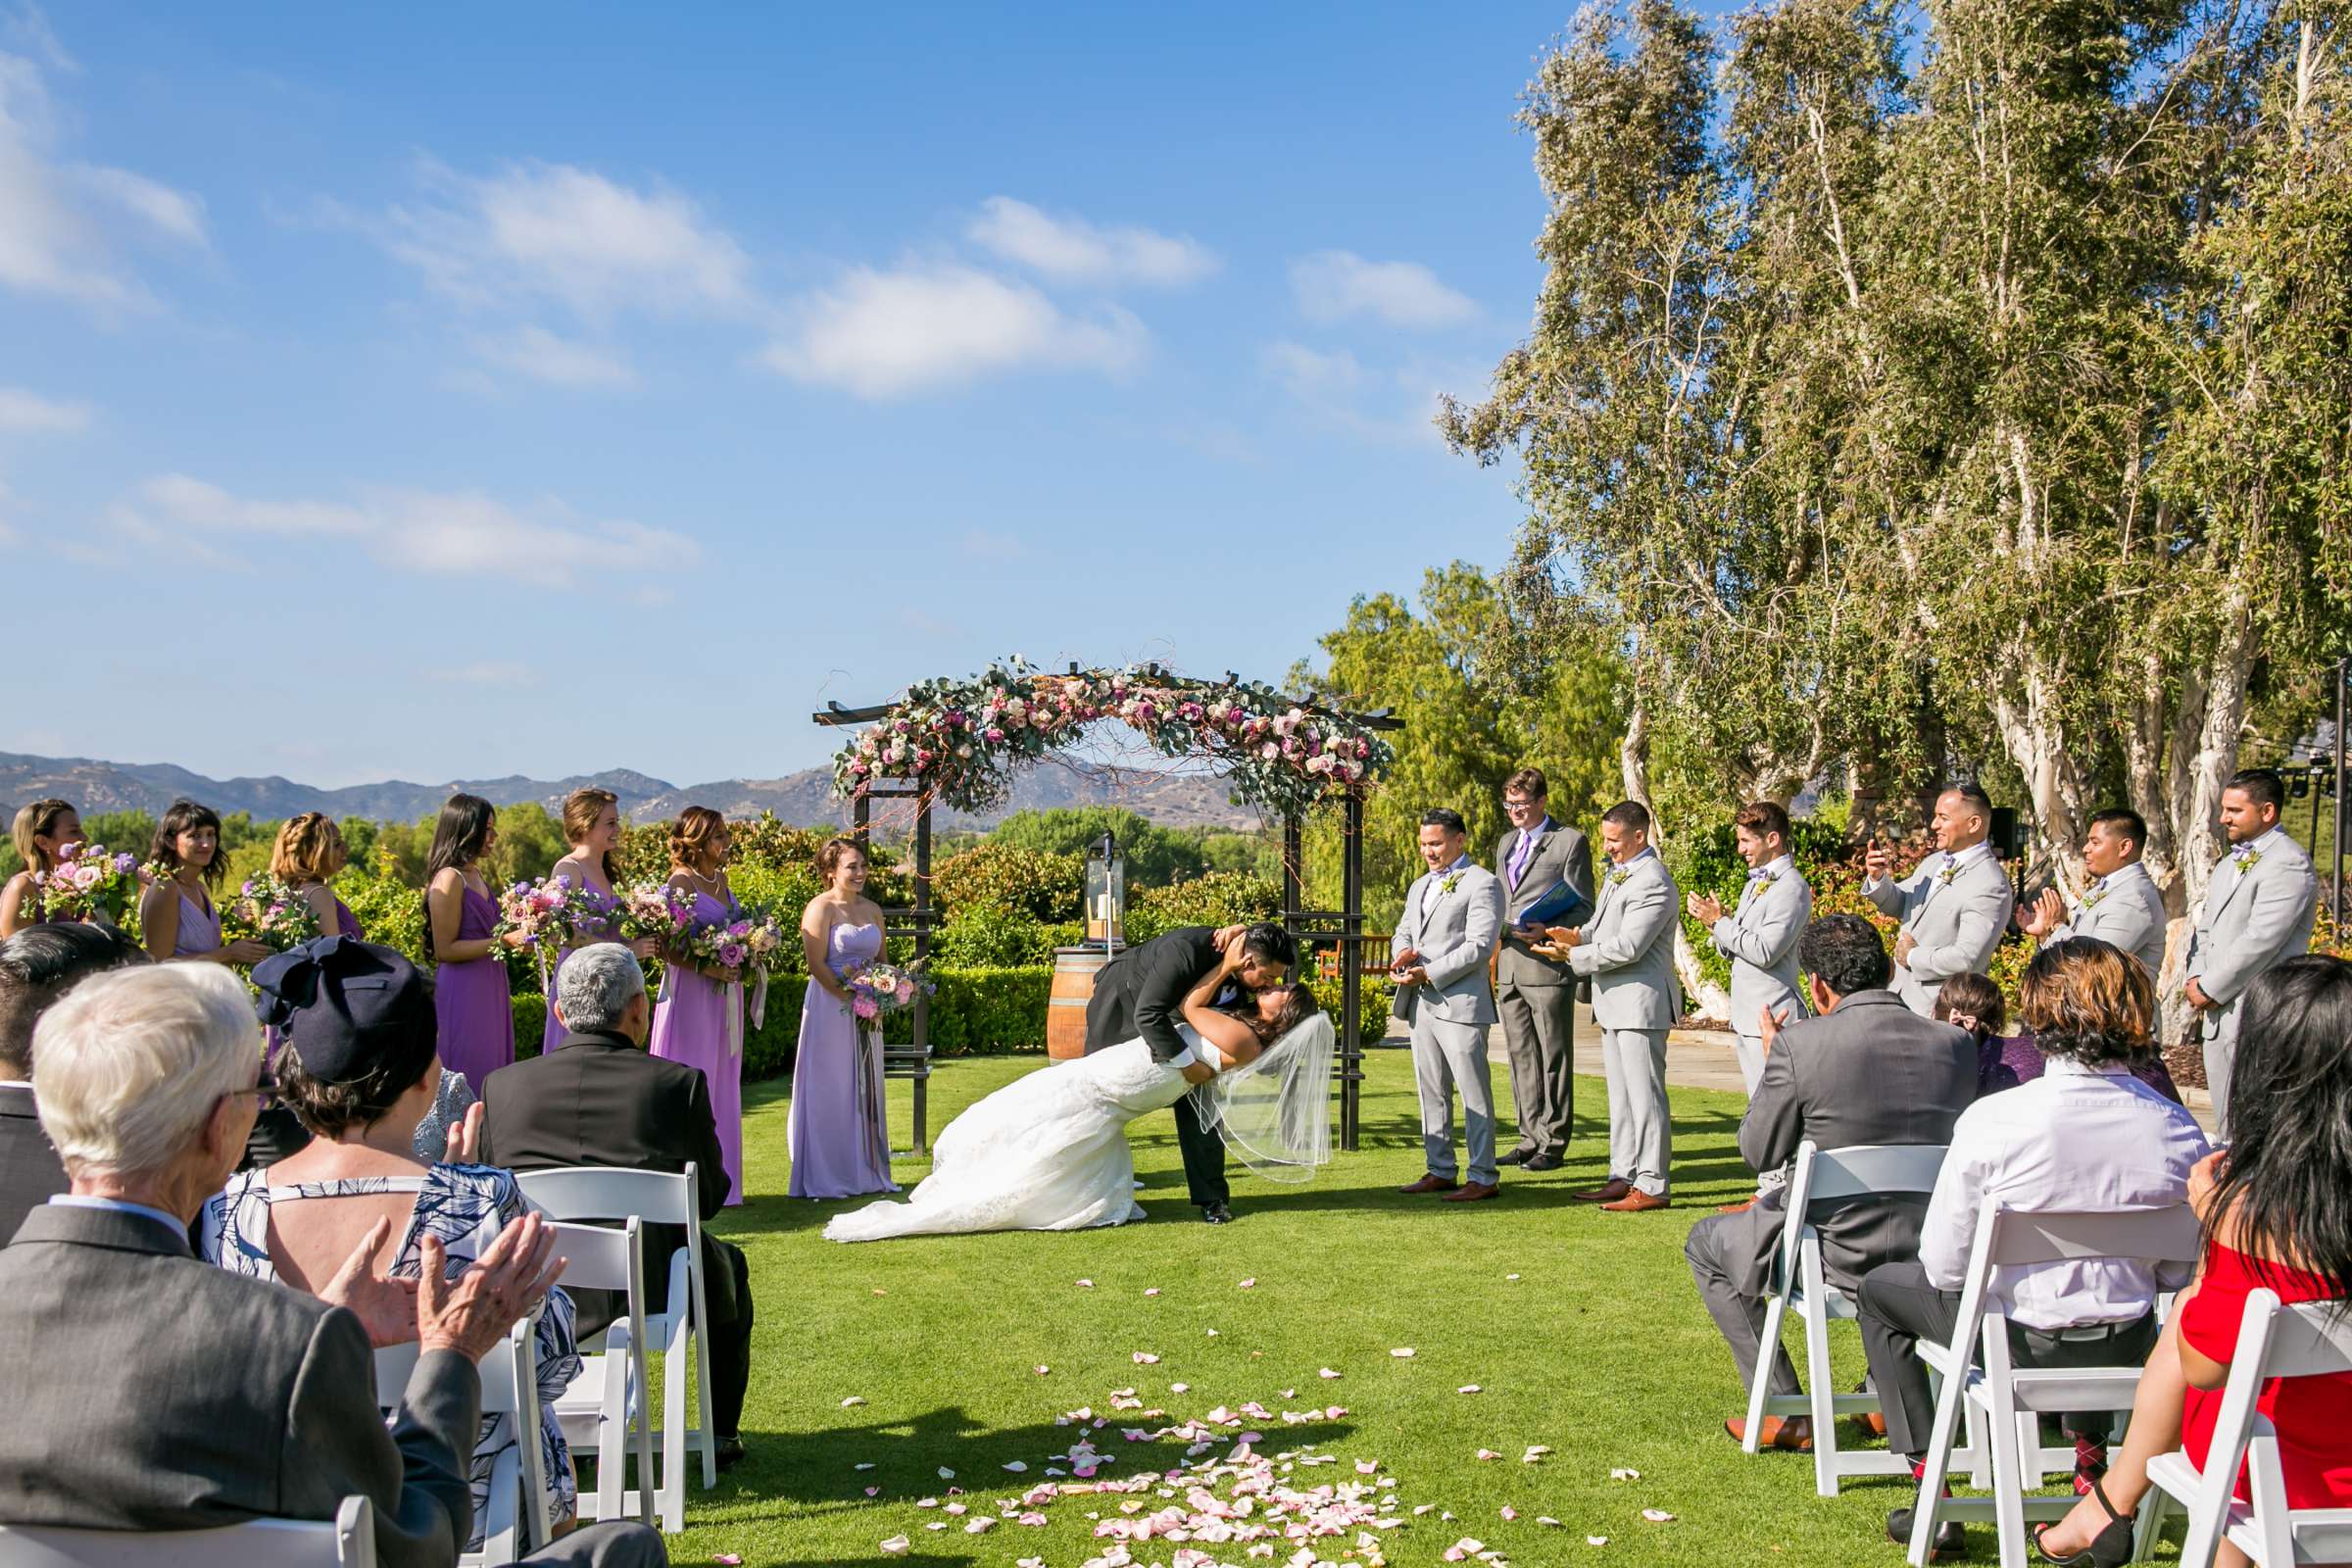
2251, 921
1955, 923
1453, 932
1760, 938
1536, 995
1869, 1071
152, 1392
1628, 953
2124, 910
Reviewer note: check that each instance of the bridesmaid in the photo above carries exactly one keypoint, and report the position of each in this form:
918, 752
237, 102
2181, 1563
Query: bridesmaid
471, 997
308, 853
699, 1021
176, 918
840, 1147
41, 829
592, 826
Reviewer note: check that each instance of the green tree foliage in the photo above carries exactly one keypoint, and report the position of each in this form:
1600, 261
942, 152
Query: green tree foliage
1001, 876
1154, 855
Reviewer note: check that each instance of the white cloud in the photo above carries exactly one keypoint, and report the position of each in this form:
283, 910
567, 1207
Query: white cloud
443, 533
555, 231
881, 334
1331, 285
1075, 250
21, 410
1311, 375
64, 219
1393, 404
537, 353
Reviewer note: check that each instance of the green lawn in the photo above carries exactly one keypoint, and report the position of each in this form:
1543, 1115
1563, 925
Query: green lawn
1582, 1331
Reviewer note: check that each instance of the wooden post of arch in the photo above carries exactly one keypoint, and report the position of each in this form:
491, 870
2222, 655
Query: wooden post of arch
1345, 924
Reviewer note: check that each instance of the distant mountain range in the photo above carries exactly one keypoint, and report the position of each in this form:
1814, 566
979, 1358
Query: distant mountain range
803, 798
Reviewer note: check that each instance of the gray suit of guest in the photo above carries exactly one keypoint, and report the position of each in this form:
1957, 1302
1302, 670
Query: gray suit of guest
151, 1392
2252, 921
1536, 995
1955, 924
1453, 932
2124, 909
1869, 1071
1628, 953
1760, 938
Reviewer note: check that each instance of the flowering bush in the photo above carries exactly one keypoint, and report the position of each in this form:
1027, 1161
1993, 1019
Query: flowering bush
88, 884
961, 738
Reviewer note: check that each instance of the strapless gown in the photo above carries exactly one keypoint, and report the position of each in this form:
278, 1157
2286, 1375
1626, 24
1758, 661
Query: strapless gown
840, 1146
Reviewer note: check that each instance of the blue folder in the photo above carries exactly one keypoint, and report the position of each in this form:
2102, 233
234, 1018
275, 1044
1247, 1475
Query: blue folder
1562, 905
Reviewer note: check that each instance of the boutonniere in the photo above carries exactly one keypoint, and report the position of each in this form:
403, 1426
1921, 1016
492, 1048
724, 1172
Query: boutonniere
2092, 901
2248, 861
1450, 881
1617, 878
1943, 879
1765, 879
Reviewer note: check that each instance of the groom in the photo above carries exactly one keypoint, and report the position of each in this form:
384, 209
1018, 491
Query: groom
1142, 992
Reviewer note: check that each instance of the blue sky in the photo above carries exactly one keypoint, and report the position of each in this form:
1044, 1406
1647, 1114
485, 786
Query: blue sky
443, 390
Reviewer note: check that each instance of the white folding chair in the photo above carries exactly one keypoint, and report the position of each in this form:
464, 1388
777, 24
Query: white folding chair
656, 1198
605, 1403
514, 1517
2013, 1398
1824, 1177
2310, 1339
348, 1540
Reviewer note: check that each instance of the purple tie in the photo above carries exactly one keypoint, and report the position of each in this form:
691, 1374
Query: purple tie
1521, 852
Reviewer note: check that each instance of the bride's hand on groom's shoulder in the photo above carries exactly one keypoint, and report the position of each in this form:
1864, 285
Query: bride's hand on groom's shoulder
1198, 1073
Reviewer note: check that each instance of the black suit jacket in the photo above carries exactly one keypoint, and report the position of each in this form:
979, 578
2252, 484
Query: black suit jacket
600, 1099
148, 1391
29, 1174
1142, 991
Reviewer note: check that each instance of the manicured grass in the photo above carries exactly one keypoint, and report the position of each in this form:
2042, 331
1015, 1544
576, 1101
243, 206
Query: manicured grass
1598, 1348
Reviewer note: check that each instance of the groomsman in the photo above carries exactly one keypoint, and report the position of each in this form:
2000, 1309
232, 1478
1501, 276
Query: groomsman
1438, 958
1627, 952
1537, 995
1954, 906
2122, 905
1760, 935
2258, 913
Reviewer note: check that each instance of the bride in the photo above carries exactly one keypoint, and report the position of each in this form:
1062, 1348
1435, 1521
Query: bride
1048, 1150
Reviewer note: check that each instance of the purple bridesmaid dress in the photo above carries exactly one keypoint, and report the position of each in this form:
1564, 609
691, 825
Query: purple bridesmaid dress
699, 1021
472, 999
199, 929
839, 1145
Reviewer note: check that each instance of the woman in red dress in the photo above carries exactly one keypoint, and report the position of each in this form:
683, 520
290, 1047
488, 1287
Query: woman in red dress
2278, 1210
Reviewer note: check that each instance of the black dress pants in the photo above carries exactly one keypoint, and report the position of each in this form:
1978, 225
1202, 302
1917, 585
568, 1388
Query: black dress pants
1203, 1157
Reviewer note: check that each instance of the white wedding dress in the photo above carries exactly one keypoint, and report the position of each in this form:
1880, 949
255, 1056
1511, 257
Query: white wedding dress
1046, 1152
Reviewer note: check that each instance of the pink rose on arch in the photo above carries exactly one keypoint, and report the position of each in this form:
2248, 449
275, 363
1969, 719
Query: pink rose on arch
995, 734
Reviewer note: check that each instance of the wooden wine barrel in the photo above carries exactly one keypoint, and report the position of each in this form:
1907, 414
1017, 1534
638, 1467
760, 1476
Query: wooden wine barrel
1074, 970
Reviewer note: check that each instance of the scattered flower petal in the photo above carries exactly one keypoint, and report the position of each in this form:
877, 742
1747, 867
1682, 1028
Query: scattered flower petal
1016, 1466
1510, 1276
727, 1559
1144, 1358
1327, 1373
1248, 1284
1657, 1516
1402, 1353
946, 1474
1625, 1475
873, 1491
926, 1502
1596, 1541
954, 1507
1489, 1453
1212, 1334
1086, 1285
1180, 1388
1042, 1370
980, 1526
851, 1402
895, 1546
1546, 1519
1467, 1387
1509, 1513
1153, 1291
868, 1465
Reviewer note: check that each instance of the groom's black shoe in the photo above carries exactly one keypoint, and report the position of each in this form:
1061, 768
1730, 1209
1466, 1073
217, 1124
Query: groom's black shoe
1518, 1156
1216, 1214
1540, 1162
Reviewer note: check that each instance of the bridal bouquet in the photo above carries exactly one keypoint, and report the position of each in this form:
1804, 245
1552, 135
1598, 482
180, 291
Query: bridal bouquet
88, 884
877, 989
656, 910
268, 911
748, 939
550, 914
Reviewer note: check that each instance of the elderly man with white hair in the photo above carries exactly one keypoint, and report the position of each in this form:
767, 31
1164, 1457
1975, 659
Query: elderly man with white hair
597, 1099
152, 1392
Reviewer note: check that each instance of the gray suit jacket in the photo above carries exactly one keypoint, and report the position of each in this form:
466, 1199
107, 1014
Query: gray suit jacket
151, 1392
1561, 854
1454, 935
2248, 924
1760, 939
1869, 1071
2126, 914
1957, 925
1627, 948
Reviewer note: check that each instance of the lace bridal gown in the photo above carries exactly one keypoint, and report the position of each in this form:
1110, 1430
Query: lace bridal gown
1046, 1152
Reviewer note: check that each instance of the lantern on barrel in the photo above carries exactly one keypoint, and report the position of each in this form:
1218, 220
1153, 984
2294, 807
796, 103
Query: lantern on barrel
1075, 969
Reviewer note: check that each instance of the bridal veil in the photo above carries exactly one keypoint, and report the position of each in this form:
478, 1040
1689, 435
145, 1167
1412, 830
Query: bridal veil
1275, 1112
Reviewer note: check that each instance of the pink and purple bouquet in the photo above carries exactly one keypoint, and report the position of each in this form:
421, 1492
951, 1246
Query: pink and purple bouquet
656, 910
550, 914
88, 884
878, 990
269, 912
749, 938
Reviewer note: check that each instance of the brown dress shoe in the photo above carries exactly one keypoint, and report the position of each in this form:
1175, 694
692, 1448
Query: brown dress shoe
1741, 1207
1432, 1183
1873, 1422
1793, 1434
1607, 1191
1473, 1192
1636, 1201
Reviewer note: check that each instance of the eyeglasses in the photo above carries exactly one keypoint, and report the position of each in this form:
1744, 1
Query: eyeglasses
265, 1089
1511, 804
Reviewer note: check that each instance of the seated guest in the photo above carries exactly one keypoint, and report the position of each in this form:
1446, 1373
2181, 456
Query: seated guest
2084, 1135
151, 1392
2277, 1213
39, 965
599, 1099
1975, 1003
1864, 1069
358, 1069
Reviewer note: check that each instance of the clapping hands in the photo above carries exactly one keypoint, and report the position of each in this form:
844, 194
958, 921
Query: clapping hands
2043, 915
1703, 907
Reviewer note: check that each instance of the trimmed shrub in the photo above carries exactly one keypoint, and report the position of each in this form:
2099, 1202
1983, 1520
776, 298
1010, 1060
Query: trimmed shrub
987, 937
1045, 887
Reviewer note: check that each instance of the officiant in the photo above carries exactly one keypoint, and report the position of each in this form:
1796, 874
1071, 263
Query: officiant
1536, 995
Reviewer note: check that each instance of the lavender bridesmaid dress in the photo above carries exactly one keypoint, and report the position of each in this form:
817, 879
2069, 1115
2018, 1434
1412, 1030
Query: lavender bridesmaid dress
199, 929
839, 1148
473, 1001
699, 1021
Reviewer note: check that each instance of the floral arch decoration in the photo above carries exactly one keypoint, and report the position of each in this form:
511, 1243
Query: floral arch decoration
959, 741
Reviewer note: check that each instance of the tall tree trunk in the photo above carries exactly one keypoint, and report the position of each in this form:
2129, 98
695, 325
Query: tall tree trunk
2025, 707
2203, 774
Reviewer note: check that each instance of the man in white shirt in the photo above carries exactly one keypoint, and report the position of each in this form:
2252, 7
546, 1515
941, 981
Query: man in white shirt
1954, 906
2084, 1136
2122, 907
2258, 913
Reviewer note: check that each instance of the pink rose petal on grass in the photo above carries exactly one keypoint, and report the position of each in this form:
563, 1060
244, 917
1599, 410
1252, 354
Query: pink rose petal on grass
851, 1402
1546, 1519
1180, 1388
1509, 1513
1596, 1541
1402, 1353
727, 1559
873, 1491
1467, 1387
895, 1546
1144, 1358
1327, 1373
1042, 1370
1489, 1453
1249, 1284
1086, 1285
1625, 1475
1153, 1290
1657, 1516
